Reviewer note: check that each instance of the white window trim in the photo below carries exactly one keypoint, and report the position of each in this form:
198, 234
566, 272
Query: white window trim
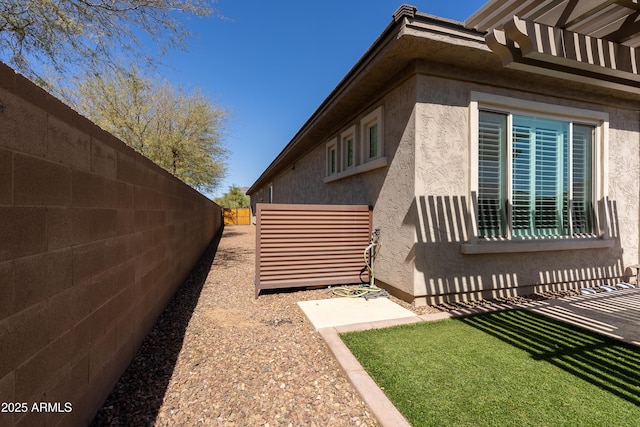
600, 120
362, 163
329, 147
367, 167
351, 132
375, 117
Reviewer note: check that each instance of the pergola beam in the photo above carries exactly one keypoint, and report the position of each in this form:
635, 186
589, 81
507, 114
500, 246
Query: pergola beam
592, 40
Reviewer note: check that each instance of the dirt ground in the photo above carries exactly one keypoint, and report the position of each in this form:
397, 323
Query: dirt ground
220, 357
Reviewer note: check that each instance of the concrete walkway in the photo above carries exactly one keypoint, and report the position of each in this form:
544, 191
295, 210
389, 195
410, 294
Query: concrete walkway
615, 314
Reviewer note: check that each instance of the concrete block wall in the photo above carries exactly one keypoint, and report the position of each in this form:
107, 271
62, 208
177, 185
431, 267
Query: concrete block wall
94, 241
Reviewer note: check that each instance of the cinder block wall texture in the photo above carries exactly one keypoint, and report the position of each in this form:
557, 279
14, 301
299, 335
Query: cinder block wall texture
94, 241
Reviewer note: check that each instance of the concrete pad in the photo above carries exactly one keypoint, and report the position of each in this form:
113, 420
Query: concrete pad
333, 312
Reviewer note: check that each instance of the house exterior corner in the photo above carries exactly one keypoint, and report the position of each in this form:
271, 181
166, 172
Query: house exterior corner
486, 181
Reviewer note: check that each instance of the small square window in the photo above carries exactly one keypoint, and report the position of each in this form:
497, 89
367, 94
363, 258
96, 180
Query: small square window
332, 157
371, 131
373, 141
348, 147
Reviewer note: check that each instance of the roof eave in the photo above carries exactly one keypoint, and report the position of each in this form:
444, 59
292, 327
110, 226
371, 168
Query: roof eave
368, 57
404, 20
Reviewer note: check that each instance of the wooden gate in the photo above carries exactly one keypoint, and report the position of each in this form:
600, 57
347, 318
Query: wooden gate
310, 245
237, 216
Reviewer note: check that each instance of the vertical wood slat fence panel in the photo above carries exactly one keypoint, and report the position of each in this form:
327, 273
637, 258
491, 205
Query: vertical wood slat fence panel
237, 216
310, 245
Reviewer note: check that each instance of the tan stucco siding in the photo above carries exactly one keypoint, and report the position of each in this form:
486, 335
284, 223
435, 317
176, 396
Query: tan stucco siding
392, 210
624, 180
421, 197
389, 189
441, 177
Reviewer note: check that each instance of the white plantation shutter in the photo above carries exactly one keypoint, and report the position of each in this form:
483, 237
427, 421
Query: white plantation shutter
543, 146
491, 170
582, 147
521, 179
551, 181
550, 178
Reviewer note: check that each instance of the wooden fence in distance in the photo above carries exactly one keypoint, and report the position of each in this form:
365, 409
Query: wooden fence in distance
237, 216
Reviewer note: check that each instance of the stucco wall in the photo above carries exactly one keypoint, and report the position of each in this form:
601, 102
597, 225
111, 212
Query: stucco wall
389, 190
443, 188
421, 198
94, 241
394, 264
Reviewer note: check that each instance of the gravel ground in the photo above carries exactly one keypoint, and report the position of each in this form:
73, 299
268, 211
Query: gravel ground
218, 356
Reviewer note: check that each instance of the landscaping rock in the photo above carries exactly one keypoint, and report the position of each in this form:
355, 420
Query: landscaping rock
219, 357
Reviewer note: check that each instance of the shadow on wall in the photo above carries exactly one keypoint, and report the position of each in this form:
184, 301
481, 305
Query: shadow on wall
138, 395
441, 225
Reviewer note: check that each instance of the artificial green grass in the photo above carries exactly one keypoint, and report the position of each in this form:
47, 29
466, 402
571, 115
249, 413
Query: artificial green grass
508, 368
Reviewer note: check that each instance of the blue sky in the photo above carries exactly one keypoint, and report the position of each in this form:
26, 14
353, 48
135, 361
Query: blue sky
273, 62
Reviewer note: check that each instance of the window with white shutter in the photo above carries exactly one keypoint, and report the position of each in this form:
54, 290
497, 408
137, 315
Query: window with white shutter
538, 176
545, 190
491, 172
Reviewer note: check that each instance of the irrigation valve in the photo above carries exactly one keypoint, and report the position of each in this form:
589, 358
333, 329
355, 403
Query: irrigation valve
370, 290
370, 252
375, 236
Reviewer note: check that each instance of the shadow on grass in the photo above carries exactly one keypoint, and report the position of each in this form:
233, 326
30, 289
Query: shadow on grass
607, 363
137, 397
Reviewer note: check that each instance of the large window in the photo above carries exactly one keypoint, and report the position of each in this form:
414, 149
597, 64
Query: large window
536, 173
549, 181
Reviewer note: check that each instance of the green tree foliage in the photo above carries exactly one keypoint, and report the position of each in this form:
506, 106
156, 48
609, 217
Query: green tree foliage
91, 33
234, 198
181, 132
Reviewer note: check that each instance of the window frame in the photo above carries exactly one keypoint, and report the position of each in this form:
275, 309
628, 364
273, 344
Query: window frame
599, 171
331, 148
372, 119
361, 164
349, 134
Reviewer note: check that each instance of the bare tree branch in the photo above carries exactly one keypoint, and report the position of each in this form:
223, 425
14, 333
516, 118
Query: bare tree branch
90, 33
